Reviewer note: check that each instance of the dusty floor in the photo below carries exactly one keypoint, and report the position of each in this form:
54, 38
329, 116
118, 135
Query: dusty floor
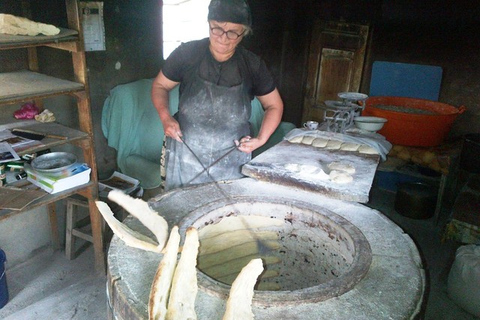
49, 286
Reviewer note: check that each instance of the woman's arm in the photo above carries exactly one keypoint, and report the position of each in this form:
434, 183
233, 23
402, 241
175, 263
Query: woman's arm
160, 88
273, 105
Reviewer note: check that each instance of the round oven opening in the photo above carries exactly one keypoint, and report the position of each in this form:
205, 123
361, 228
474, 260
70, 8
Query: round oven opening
310, 254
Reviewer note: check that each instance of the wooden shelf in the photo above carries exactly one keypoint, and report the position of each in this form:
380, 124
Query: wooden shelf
72, 135
13, 42
27, 85
47, 199
19, 86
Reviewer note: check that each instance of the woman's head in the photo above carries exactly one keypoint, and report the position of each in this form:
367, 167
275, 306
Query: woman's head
229, 21
233, 11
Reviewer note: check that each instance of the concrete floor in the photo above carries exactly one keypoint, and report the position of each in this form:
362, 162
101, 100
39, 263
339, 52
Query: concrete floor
49, 286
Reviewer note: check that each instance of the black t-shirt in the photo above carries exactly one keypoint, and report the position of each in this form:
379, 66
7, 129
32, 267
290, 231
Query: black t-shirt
244, 66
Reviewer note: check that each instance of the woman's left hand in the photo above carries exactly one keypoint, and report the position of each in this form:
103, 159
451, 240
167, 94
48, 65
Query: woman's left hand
247, 144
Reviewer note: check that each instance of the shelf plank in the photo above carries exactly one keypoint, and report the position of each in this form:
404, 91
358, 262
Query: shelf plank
15, 41
26, 85
72, 135
47, 199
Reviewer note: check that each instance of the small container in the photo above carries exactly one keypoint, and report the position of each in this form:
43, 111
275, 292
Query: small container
3, 280
3, 175
416, 200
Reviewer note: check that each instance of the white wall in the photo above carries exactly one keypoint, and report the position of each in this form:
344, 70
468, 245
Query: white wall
24, 233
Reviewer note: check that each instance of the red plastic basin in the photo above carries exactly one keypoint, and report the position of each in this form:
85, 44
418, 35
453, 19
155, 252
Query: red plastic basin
413, 129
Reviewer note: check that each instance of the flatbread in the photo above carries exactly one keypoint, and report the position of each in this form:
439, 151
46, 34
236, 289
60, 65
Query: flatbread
349, 146
230, 278
245, 249
239, 303
340, 177
320, 142
13, 25
222, 268
130, 237
181, 303
333, 145
366, 149
141, 210
229, 224
342, 166
308, 140
234, 238
157, 302
296, 139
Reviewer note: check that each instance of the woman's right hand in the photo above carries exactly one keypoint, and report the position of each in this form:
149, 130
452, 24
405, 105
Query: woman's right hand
171, 128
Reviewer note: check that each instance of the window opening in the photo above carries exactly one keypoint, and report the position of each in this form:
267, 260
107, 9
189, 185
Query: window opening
183, 20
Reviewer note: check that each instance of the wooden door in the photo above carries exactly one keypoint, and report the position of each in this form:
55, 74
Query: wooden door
335, 64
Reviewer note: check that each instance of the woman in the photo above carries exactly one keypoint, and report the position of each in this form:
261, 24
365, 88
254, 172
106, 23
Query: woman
218, 80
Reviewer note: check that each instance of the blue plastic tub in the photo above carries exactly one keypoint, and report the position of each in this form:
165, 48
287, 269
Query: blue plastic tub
3, 280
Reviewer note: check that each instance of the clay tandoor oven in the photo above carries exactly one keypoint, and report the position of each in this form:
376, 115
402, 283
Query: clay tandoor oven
332, 259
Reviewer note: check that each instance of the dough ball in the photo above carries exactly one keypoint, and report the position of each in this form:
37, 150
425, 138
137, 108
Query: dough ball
367, 149
296, 139
293, 167
320, 142
308, 140
333, 145
305, 168
349, 146
340, 177
342, 166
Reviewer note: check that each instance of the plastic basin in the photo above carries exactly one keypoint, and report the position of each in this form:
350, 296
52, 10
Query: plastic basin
425, 125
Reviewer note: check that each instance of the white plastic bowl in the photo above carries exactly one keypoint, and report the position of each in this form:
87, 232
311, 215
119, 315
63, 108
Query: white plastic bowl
371, 124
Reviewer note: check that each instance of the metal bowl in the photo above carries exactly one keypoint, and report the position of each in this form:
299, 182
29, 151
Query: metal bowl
372, 124
54, 162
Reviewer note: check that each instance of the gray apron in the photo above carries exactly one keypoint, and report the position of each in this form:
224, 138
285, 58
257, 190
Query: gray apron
211, 117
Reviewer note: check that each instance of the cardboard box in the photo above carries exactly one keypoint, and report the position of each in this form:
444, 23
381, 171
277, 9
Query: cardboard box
53, 184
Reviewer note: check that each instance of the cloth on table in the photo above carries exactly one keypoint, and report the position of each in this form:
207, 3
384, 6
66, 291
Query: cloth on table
374, 140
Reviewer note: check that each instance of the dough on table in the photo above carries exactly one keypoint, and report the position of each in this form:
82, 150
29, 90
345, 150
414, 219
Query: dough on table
308, 140
367, 149
349, 146
320, 142
296, 139
293, 167
342, 166
305, 168
340, 177
333, 145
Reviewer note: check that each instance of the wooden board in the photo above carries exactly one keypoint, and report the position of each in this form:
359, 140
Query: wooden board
272, 166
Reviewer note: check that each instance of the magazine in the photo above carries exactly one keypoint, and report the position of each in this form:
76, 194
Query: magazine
7, 153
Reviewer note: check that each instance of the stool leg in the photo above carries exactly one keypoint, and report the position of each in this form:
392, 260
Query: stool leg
69, 238
52, 215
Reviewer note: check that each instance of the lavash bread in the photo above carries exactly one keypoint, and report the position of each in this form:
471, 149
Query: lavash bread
13, 25
239, 303
130, 237
157, 302
142, 211
181, 303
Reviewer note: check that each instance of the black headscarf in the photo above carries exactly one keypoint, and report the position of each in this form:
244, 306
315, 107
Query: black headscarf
234, 11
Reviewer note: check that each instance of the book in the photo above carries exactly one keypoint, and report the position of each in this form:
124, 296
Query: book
80, 174
7, 153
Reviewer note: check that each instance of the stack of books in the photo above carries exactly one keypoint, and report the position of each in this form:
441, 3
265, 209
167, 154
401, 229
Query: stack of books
76, 175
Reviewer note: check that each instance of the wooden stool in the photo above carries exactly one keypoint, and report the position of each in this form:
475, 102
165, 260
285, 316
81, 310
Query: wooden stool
73, 226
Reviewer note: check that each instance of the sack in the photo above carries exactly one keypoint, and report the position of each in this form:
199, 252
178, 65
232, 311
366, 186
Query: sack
464, 279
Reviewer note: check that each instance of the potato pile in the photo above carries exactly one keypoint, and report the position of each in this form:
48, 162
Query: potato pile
429, 157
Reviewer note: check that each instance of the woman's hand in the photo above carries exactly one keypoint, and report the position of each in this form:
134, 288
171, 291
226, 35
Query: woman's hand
172, 128
247, 144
